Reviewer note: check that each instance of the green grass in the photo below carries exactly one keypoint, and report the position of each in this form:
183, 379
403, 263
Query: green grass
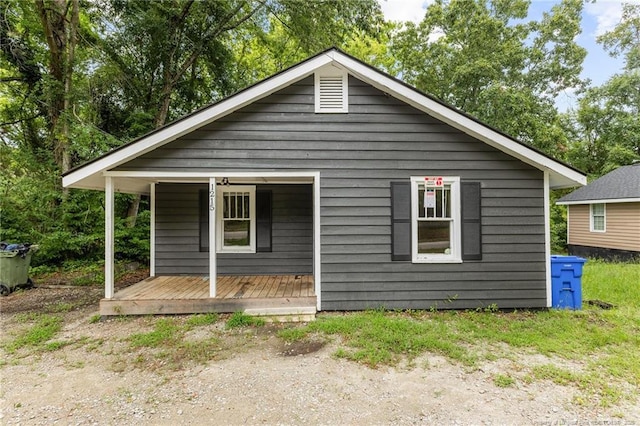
605, 343
165, 333
617, 283
167, 344
240, 319
38, 331
503, 380
200, 320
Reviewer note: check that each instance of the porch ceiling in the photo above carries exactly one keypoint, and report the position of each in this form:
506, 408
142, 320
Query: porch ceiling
141, 184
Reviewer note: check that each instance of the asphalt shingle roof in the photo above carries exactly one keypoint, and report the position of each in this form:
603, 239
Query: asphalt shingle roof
623, 182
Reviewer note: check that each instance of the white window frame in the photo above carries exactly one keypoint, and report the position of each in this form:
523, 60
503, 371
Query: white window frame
592, 216
220, 247
455, 252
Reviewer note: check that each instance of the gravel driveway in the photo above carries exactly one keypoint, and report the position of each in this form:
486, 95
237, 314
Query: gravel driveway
258, 379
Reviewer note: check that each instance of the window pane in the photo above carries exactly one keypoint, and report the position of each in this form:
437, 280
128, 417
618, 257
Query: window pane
443, 208
598, 209
236, 232
434, 237
598, 223
232, 205
435, 203
239, 206
225, 206
246, 206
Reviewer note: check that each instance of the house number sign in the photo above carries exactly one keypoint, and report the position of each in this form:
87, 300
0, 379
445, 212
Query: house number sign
212, 197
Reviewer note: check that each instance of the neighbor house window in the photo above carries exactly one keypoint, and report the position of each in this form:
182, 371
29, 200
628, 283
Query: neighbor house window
435, 219
598, 218
236, 213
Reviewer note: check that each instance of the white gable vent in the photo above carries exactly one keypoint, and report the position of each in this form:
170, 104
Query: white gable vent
331, 91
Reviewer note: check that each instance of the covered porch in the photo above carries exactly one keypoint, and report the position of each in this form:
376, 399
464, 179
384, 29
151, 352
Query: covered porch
196, 265
286, 296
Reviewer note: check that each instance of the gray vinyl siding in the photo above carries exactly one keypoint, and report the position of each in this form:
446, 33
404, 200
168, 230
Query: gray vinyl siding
178, 234
358, 155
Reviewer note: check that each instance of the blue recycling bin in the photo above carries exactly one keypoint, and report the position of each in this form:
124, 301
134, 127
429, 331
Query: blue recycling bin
566, 282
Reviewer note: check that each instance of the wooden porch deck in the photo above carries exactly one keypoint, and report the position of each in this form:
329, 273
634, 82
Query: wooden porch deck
279, 295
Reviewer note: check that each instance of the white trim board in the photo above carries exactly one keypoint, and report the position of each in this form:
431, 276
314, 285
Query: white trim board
607, 201
317, 263
547, 239
152, 230
90, 175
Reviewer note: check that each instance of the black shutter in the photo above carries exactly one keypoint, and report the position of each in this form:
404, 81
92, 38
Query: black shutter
471, 221
400, 221
204, 219
263, 221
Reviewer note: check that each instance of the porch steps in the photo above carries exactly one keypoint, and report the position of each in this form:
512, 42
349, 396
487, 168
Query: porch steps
284, 314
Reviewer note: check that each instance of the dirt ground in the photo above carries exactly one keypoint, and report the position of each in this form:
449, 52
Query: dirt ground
255, 378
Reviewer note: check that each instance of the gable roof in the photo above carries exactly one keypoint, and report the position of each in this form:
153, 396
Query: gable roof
619, 186
90, 175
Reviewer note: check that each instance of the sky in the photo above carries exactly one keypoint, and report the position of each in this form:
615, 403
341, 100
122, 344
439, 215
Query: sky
597, 18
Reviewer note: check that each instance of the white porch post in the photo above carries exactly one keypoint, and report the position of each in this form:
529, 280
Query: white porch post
317, 262
108, 237
152, 231
212, 237
547, 235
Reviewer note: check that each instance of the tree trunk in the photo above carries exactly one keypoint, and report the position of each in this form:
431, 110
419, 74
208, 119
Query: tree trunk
60, 21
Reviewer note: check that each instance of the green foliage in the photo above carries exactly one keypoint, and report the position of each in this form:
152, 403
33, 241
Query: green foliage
558, 223
503, 380
42, 329
606, 126
240, 319
293, 334
202, 320
484, 58
379, 337
170, 345
612, 282
165, 332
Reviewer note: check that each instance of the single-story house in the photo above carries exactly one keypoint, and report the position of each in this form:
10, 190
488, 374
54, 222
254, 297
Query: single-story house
603, 218
332, 186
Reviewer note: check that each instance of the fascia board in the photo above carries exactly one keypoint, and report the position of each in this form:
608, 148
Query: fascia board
604, 201
459, 121
198, 119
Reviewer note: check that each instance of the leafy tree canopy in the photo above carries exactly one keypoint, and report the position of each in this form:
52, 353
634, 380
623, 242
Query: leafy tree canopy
486, 59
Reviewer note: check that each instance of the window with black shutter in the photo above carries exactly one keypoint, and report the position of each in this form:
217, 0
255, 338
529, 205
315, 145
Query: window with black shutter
436, 219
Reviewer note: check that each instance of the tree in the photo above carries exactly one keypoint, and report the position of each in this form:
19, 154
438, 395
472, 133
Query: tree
486, 59
60, 20
170, 57
606, 125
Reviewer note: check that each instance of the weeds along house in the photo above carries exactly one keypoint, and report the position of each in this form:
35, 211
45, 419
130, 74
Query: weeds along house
332, 186
604, 216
